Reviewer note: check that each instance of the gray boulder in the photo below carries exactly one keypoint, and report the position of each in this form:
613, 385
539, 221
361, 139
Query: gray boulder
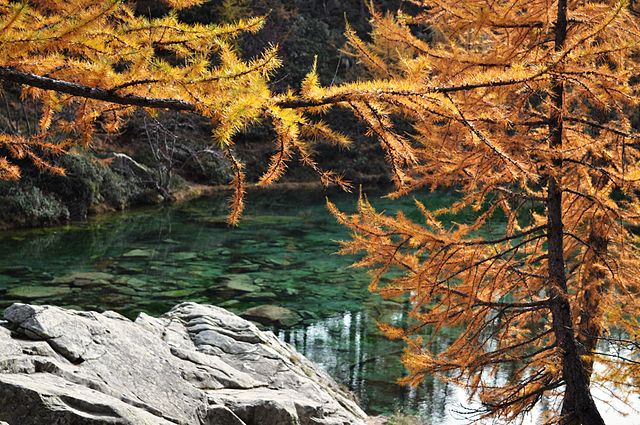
196, 364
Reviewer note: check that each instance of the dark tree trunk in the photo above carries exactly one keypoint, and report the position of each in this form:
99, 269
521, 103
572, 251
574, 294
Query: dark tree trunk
578, 405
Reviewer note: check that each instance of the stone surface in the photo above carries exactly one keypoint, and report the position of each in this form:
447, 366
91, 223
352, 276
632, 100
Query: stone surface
184, 256
140, 253
236, 284
196, 364
80, 277
272, 315
33, 292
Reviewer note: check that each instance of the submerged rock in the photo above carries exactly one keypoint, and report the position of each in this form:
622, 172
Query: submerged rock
179, 293
235, 284
272, 315
185, 256
33, 292
129, 281
279, 262
196, 364
258, 296
84, 278
140, 253
243, 268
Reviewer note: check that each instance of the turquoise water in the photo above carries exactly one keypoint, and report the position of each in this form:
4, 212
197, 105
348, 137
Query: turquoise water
283, 254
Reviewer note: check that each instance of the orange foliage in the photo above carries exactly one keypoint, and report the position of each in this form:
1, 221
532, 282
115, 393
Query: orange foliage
522, 107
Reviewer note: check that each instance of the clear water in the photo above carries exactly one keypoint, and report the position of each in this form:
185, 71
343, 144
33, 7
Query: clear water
283, 253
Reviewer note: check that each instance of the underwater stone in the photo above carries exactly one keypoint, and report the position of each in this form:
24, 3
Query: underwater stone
129, 269
171, 241
84, 278
140, 253
258, 296
125, 290
184, 256
179, 293
280, 262
291, 291
129, 281
243, 268
236, 283
33, 292
272, 315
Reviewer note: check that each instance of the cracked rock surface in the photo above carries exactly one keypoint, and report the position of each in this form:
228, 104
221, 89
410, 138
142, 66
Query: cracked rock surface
197, 364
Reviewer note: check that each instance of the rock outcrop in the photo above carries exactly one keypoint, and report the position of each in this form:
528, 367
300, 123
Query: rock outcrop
196, 364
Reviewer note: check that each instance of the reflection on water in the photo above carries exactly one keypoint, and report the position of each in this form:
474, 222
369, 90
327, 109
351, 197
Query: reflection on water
351, 349
282, 254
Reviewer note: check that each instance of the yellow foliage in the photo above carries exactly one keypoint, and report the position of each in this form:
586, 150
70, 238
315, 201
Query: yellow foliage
104, 46
391, 332
183, 4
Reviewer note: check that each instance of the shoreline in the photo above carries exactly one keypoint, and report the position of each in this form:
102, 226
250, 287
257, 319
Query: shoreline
195, 191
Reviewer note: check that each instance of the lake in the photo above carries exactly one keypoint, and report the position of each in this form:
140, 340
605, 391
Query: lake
283, 253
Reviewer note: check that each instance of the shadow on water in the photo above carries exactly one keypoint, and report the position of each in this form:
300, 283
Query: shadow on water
282, 254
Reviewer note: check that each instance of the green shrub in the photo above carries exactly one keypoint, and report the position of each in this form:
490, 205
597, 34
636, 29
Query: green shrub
26, 205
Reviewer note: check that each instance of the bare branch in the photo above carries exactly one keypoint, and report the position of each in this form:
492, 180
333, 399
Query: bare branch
79, 90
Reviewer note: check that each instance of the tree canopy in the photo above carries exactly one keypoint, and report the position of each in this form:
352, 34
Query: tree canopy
520, 106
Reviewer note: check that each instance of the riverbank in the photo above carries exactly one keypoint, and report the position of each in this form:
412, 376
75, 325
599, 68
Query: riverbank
28, 206
31, 207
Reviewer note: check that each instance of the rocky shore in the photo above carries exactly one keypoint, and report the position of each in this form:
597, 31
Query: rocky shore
196, 364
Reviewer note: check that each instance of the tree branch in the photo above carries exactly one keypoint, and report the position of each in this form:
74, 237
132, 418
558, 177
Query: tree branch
603, 127
106, 95
75, 89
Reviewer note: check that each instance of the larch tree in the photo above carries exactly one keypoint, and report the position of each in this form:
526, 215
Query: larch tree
522, 107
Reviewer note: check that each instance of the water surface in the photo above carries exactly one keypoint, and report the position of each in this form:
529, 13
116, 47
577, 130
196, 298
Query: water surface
283, 254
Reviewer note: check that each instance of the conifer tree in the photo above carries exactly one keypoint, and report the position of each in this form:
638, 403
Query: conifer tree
522, 107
